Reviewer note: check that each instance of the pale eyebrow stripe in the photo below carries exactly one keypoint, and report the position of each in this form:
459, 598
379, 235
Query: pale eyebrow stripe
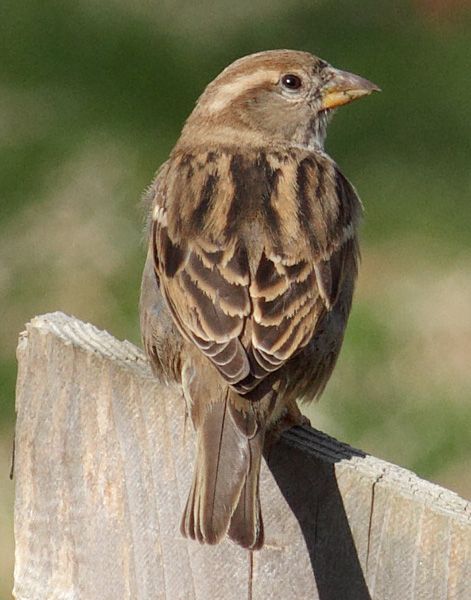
227, 92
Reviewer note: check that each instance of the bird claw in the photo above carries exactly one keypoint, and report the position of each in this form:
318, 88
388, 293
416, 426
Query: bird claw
293, 417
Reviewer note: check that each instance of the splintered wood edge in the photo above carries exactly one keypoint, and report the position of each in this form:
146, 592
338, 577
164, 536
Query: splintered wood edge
88, 338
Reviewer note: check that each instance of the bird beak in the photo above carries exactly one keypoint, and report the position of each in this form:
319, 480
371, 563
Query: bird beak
343, 87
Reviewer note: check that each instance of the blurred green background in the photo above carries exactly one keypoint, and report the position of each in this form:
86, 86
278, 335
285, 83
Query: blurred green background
92, 98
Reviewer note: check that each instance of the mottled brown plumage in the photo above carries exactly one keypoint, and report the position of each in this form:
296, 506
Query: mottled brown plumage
250, 271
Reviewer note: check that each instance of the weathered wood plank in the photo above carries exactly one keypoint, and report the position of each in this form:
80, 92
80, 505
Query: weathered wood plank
104, 460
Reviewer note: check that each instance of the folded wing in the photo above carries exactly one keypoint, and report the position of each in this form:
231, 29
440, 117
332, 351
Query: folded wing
250, 305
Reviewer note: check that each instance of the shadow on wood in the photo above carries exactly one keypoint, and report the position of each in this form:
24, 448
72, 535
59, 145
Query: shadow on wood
309, 485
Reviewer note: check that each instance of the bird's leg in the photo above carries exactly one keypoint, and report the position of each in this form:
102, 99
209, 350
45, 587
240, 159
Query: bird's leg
291, 417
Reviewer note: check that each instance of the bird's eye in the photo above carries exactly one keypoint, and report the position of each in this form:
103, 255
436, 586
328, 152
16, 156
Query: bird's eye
291, 82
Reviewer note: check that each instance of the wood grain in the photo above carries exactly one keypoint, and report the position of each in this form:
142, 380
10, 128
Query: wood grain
104, 462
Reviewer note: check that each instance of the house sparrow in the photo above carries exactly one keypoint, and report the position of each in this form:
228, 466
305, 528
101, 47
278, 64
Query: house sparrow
250, 271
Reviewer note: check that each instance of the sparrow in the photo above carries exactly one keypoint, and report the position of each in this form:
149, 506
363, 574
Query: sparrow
251, 266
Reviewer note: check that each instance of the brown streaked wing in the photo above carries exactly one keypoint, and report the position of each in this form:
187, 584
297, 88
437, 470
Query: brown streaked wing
202, 276
211, 312
205, 274
286, 308
296, 284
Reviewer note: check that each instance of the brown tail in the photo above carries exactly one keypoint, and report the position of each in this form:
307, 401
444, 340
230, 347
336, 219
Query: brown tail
246, 527
224, 495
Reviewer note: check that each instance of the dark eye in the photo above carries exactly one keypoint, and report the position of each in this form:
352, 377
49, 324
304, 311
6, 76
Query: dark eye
291, 82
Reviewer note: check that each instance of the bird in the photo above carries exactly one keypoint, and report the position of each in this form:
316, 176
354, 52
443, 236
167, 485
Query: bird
251, 266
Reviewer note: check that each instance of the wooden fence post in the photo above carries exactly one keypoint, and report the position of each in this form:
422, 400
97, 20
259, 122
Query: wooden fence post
104, 460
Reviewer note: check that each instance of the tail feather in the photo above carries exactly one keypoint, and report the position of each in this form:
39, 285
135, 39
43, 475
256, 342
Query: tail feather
224, 494
246, 527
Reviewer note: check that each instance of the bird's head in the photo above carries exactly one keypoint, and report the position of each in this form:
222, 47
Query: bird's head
279, 96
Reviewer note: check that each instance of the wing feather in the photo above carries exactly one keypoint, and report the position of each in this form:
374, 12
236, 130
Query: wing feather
251, 303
